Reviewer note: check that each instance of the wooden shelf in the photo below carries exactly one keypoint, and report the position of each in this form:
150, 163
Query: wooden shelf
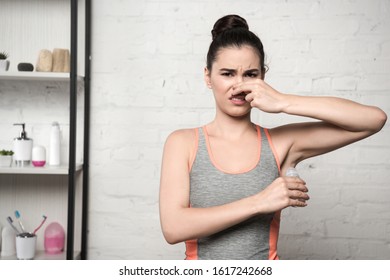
41, 255
37, 76
45, 170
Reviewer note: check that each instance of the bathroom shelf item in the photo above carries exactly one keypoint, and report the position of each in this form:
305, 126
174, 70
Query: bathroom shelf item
45, 170
42, 255
70, 173
37, 76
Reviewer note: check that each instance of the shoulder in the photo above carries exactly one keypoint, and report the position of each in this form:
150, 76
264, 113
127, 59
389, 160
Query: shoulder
182, 140
182, 136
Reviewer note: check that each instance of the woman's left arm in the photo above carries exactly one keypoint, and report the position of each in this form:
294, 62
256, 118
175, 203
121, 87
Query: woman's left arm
341, 121
343, 113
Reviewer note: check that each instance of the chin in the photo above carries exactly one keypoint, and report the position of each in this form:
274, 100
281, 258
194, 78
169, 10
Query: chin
235, 111
239, 113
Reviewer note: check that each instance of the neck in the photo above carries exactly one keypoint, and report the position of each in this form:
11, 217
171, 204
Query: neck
230, 127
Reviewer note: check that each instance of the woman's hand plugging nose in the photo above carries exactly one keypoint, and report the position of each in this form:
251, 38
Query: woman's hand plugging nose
262, 96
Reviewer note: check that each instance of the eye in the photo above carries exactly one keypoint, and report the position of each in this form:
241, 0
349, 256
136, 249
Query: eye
251, 75
227, 74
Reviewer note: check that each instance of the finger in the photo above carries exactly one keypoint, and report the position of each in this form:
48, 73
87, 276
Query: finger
239, 88
301, 196
297, 203
297, 185
249, 97
246, 87
257, 82
294, 179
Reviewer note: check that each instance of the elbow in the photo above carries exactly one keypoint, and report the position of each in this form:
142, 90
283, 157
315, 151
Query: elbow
171, 232
171, 241
381, 119
170, 237
384, 119
171, 228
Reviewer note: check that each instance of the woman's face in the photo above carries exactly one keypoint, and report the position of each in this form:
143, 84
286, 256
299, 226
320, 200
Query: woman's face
233, 65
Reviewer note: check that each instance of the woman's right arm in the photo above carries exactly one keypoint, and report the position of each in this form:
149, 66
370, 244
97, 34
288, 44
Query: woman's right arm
180, 222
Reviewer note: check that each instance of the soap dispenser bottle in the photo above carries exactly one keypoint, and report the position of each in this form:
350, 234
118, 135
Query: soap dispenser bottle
22, 148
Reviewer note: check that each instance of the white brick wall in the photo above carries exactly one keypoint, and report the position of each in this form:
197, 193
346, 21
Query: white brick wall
147, 80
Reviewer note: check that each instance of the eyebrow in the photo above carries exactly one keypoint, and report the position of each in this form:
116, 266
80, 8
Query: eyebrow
234, 70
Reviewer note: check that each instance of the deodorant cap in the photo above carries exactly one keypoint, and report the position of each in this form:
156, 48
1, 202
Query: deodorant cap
292, 172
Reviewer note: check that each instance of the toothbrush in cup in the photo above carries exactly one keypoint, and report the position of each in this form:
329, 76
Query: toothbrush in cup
17, 215
11, 222
41, 224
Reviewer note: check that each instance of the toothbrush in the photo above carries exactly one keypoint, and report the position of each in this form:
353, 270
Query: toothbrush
17, 215
10, 221
43, 221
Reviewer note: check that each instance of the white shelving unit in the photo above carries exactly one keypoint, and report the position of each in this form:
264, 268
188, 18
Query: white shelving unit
41, 255
37, 76
45, 170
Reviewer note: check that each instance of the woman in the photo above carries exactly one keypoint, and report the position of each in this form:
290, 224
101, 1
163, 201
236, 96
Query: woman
222, 186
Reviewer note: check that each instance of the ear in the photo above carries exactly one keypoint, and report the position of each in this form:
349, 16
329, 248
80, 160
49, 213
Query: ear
207, 77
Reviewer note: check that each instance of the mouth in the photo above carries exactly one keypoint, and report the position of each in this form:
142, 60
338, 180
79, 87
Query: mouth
238, 97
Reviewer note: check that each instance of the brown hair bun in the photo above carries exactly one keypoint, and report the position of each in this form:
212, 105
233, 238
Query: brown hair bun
228, 22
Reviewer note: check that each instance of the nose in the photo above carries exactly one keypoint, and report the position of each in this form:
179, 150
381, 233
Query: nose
239, 78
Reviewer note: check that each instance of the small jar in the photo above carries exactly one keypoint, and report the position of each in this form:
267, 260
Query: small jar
54, 238
39, 156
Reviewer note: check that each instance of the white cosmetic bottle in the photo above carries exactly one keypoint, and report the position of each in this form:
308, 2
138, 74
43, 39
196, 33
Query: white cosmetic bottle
55, 145
22, 148
8, 247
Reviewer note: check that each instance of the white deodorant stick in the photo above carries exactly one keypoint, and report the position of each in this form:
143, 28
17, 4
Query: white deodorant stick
292, 172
